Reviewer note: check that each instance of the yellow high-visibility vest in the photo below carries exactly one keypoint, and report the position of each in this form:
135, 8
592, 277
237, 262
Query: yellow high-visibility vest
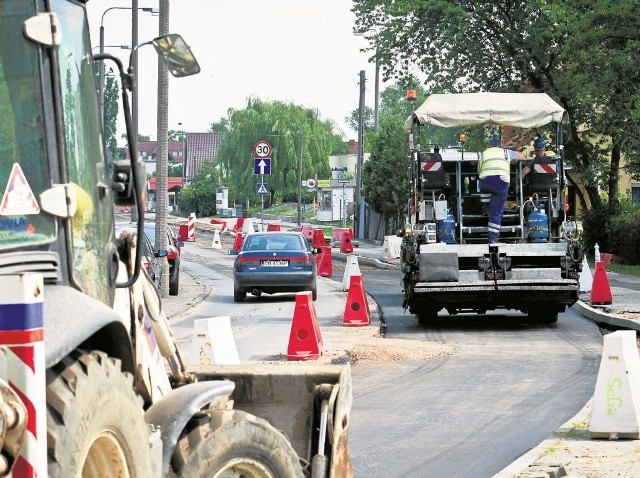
494, 162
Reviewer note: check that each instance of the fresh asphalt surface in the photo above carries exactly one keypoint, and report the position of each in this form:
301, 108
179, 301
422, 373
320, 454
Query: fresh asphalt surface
509, 384
470, 414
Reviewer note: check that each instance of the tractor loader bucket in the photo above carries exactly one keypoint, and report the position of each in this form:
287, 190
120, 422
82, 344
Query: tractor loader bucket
293, 398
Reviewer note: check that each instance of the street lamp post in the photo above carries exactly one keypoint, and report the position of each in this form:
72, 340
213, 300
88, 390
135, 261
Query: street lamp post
103, 46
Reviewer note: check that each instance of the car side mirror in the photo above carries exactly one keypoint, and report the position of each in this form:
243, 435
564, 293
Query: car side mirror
162, 253
179, 243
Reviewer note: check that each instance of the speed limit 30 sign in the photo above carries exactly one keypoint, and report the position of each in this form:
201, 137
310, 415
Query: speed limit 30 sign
262, 149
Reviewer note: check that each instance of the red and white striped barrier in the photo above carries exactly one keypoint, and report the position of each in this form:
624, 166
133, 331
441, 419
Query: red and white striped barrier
22, 343
191, 227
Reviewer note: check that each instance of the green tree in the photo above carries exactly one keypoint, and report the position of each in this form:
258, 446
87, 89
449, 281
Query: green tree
200, 195
175, 135
295, 134
384, 175
521, 46
111, 102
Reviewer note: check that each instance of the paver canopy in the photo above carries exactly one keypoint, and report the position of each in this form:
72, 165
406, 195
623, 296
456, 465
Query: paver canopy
524, 110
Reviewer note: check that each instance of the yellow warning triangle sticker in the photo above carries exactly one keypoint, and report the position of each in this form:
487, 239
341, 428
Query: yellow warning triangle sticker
18, 198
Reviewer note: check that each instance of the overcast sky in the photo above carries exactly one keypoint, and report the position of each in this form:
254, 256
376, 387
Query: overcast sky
298, 51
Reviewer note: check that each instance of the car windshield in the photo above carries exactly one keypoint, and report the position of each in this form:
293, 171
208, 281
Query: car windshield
274, 242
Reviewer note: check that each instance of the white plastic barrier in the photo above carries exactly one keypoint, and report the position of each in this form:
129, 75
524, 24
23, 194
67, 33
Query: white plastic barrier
615, 408
350, 269
213, 342
215, 244
391, 247
586, 278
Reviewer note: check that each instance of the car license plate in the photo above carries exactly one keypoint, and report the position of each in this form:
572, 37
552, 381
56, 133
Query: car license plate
274, 263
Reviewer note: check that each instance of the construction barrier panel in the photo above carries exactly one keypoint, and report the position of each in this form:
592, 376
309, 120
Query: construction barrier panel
391, 247
351, 268
615, 408
325, 262
356, 310
318, 239
22, 346
213, 342
346, 244
305, 339
237, 244
239, 224
191, 228
215, 244
600, 290
220, 224
307, 232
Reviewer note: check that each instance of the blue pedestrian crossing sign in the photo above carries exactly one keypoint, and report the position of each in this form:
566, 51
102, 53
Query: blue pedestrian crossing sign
261, 166
262, 188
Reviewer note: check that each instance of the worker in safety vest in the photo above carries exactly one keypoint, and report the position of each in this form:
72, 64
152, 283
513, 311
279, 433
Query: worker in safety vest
494, 173
540, 151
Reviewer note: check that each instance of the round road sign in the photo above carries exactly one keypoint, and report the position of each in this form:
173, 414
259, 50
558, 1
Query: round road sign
311, 183
262, 150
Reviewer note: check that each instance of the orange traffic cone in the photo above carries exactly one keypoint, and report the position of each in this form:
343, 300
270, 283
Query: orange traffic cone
600, 290
325, 263
356, 310
237, 244
346, 245
305, 339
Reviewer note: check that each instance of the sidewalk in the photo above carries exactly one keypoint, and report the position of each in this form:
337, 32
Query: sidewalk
568, 452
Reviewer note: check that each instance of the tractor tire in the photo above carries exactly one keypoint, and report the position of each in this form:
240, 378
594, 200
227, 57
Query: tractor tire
233, 443
174, 280
95, 422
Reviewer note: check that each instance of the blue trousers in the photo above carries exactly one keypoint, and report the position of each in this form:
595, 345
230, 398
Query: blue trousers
498, 190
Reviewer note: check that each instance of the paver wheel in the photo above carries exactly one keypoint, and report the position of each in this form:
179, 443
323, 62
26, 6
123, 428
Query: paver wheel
95, 422
544, 313
232, 444
427, 316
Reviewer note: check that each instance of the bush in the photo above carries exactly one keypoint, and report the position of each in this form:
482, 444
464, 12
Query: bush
624, 236
595, 222
617, 234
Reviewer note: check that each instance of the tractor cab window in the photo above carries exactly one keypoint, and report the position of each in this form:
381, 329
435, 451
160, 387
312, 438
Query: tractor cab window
24, 172
86, 165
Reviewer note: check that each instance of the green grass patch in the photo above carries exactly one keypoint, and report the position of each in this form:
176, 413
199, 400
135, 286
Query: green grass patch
618, 268
624, 269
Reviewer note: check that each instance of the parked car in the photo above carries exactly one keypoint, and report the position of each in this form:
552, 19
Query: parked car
272, 262
150, 257
174, 248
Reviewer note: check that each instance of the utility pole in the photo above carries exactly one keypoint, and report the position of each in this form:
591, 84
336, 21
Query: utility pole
134, 91
359, 201
163, 151
300, 180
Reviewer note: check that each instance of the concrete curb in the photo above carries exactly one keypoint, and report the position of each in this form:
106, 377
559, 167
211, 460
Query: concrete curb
598, 316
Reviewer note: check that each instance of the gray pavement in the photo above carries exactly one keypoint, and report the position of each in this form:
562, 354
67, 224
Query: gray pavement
568, 451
